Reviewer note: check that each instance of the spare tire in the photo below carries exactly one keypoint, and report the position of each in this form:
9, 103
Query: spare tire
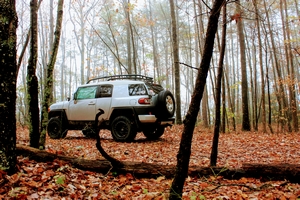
165, 104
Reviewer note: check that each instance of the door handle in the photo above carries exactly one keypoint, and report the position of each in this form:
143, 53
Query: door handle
91, 103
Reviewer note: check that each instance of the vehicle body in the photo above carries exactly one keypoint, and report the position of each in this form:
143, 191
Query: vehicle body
131, 104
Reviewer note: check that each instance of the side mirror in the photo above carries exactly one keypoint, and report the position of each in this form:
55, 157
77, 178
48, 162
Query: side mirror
74, 96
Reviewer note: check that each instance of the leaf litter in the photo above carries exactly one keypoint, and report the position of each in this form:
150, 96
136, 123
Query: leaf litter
58, 180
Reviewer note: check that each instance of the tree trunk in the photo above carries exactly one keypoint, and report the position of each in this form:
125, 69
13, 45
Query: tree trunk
134, 56
281, 171
8, 80
263, 102
290, 68
176, 63
50, 67
32, 80
281, 94
129, 59
246, 122
183, 156
214, 150
204, 109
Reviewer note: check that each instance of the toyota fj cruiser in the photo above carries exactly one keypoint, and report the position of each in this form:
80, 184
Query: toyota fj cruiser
131, 104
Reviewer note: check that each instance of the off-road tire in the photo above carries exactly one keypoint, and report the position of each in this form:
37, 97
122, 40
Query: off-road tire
152, 132
56, 129
165, 104
122, 129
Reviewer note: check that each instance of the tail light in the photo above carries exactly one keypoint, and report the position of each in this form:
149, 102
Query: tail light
144, 101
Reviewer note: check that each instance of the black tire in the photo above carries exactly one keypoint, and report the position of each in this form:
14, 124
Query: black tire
122, 129
56, 129
165, 104
153, 132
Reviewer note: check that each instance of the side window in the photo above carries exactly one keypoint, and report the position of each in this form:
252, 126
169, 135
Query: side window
86, 92
105, 91
137, 89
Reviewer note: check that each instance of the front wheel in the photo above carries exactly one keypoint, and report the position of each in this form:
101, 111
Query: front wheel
56, 129
122, 129
153, 133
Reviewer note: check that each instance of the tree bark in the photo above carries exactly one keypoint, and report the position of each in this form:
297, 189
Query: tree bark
50, 67
293, 108
214, 150
140, 169
128, 37
8, 79
280, 91
176, 63
263, 101
32, 80
246, 122
183, 156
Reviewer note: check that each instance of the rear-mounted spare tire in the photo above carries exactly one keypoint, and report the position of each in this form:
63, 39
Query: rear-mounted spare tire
165, 104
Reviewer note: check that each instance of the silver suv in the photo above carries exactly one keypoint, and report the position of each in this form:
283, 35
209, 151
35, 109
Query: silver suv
131, 104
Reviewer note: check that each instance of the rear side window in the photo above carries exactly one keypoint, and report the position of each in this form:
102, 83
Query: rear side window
86, 92
105, 91
137, 89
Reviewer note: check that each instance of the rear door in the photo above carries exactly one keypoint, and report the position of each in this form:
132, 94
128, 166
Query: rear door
103, 102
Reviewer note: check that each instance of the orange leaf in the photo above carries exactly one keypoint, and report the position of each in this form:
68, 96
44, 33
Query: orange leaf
236, 17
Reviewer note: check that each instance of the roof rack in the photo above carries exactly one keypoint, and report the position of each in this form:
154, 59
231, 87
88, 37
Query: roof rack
123, 77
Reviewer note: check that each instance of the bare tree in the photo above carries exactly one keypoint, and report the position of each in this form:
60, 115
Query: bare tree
183, 156
50, 67
176, 63
240, 28
214, 150
32, 80
263, 102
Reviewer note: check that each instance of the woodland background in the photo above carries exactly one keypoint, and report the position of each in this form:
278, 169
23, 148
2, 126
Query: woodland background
98, 38
260, 87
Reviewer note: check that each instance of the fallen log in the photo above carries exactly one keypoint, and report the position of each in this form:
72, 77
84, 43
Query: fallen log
282, 171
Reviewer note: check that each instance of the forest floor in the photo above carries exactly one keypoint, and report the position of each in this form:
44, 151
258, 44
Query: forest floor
58, 180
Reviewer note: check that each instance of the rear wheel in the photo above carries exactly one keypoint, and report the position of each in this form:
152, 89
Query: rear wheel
122, 129
56, 129
153, 132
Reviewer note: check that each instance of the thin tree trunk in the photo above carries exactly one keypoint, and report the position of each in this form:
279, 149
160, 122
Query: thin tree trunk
176, 63
214, 150
50, 67
32, 80
246, 122
204, 109
282, 102
183, 156
229, 100
129, 59
290, 69
260, 47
